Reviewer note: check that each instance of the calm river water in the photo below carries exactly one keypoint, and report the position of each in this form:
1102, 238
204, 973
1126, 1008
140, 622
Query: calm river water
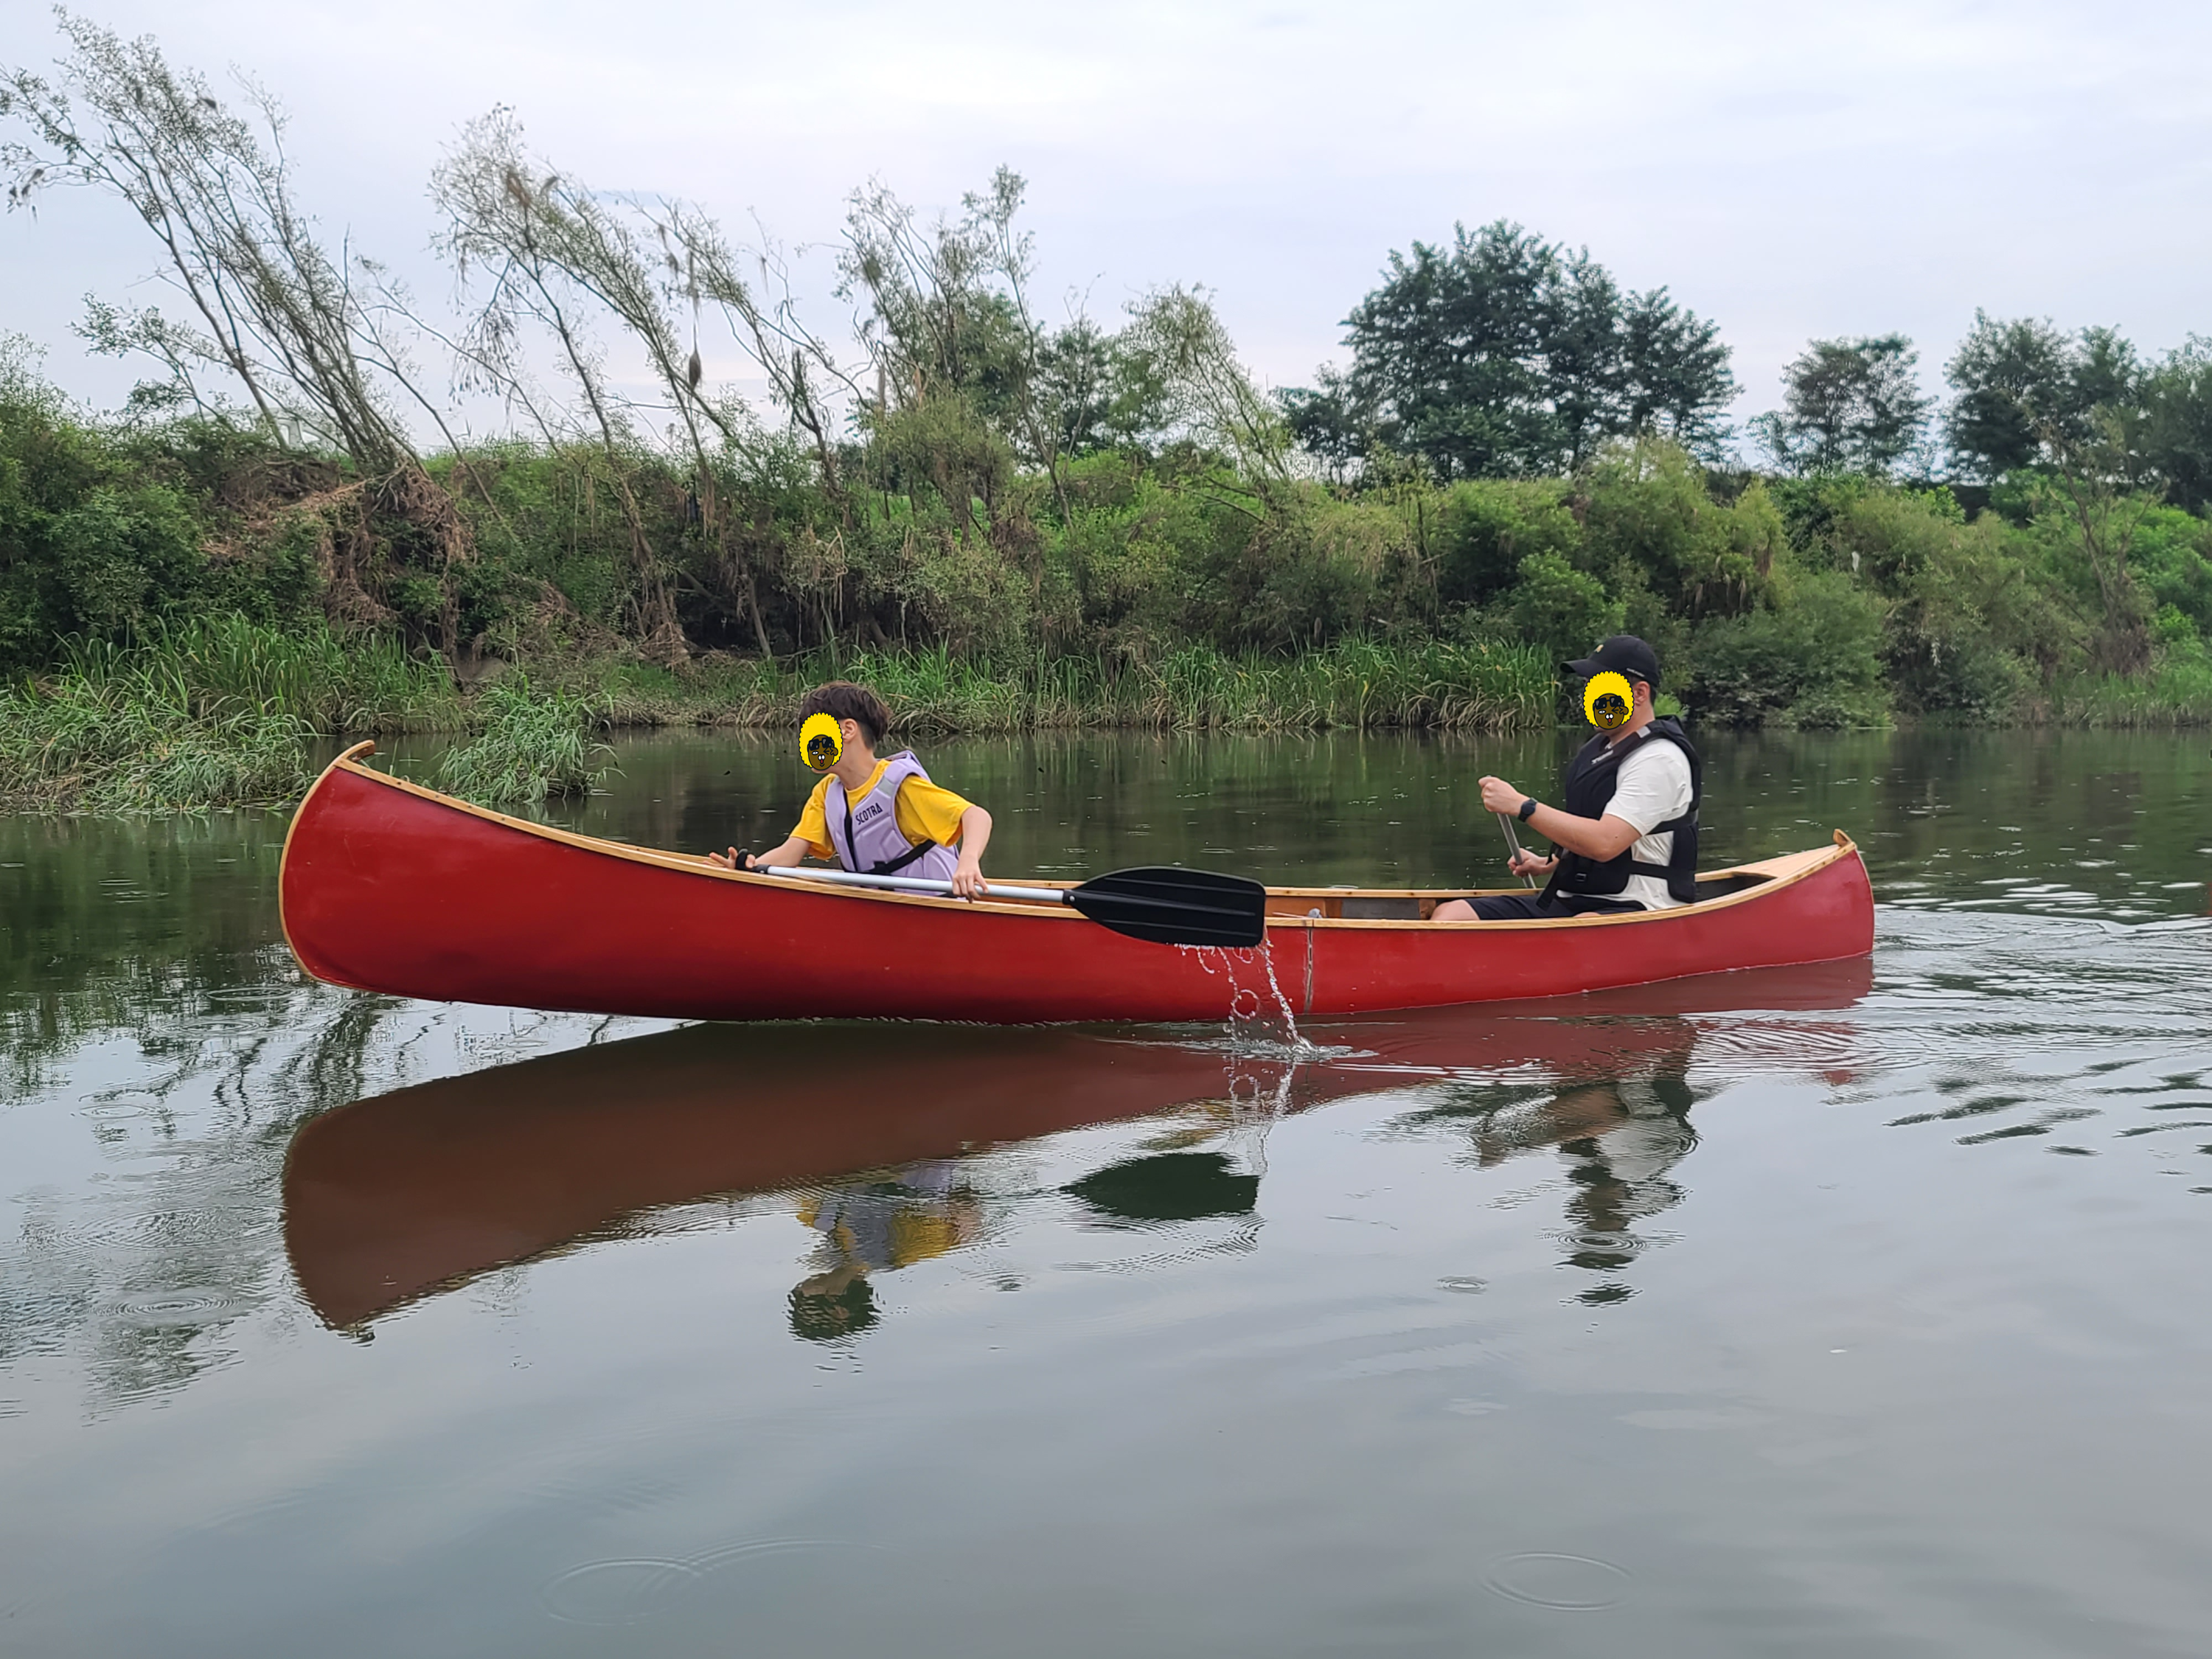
1836, 1312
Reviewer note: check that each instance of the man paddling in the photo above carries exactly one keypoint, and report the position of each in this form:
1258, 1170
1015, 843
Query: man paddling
1627, 831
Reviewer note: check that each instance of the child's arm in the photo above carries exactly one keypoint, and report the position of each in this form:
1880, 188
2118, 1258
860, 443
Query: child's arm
975, 836
789, 854
809, 838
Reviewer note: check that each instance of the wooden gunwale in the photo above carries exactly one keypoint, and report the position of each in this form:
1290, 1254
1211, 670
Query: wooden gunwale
1775, 873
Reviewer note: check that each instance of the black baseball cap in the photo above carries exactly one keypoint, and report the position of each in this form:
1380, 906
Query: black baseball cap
1623, 654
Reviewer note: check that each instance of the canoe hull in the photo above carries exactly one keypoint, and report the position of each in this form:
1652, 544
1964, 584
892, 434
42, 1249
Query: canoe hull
390, 887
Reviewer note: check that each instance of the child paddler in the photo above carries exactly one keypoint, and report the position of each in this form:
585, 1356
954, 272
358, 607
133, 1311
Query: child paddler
883, 817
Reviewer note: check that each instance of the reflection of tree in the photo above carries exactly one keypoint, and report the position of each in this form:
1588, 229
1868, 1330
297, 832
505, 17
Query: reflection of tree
146, 1272
878, 1225
1621, 1135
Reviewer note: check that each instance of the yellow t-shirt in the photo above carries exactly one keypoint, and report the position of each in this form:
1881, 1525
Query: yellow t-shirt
925, 812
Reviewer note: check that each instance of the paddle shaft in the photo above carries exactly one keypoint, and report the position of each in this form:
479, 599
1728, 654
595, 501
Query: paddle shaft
1161, 904
913, 884
1513, 841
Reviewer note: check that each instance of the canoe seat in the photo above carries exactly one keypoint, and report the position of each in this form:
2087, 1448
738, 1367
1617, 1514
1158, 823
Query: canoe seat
1383, 909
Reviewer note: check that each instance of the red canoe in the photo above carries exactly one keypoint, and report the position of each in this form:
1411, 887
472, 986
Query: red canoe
391, 887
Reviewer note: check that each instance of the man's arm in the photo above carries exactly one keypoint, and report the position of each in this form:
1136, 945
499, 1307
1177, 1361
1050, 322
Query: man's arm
1604, 838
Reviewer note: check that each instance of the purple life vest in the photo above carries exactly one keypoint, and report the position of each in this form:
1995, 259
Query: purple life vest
867, 836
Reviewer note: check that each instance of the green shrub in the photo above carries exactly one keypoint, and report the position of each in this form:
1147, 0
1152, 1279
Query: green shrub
534, 746
1485, 528
2173, 550
1565, 611
1814, 661
1649, 521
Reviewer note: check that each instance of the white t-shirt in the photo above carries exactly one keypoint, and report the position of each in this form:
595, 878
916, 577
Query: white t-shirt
1653, 786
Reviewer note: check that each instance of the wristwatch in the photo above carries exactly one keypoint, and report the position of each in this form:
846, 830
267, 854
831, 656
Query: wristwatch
1528, 810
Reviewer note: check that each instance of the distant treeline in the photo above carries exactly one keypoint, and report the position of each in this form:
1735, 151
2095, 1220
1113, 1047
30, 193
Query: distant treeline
1519, 455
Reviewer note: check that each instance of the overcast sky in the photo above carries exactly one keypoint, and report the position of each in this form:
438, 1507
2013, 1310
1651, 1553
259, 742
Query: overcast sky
1790, 170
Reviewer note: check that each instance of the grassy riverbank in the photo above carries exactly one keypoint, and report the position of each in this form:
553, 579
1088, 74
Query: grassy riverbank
224, 713
227, 712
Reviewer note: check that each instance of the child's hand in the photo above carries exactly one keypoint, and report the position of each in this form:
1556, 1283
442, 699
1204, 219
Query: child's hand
733, 859
968, 880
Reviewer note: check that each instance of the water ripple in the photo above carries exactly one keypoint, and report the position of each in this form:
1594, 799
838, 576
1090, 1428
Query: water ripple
1565, 1583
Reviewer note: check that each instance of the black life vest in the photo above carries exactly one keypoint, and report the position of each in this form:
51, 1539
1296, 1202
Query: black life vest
1592, 777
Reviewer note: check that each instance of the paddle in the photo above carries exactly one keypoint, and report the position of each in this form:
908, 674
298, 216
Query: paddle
1158, 902
1512, 841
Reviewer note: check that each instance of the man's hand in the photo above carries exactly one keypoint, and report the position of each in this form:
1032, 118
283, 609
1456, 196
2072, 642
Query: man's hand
1499, 796
968, 880
1526, 863
733, 859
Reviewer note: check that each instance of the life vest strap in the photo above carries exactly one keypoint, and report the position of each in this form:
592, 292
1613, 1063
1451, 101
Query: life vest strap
900, 863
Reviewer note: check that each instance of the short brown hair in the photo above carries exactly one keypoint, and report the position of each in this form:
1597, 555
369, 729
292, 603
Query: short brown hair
841, 700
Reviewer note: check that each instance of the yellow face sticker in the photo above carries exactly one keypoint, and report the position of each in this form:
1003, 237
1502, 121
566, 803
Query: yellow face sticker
1607, 701
820, 743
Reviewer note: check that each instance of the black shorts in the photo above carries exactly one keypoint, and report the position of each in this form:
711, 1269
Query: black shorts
1531, 907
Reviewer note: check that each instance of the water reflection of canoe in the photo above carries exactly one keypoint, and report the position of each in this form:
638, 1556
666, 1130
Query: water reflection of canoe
390, 1196
388, 886
393, 1197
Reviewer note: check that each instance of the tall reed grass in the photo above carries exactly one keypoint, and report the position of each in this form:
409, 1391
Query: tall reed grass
535, 744
1355, 685
2178, 693
122, 738
336, 683
219, 712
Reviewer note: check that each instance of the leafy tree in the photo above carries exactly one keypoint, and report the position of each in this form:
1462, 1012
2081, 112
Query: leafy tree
2176, 399
950, 311
552, 253
1504, 354
1679, 383
269, 308
2022, 386
1329, 423
1651, 525
2096, 505
1178, 350
2009, 377
1096, 393
1848, 406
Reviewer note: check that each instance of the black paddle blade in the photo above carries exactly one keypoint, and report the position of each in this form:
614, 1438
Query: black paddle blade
1176, 907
